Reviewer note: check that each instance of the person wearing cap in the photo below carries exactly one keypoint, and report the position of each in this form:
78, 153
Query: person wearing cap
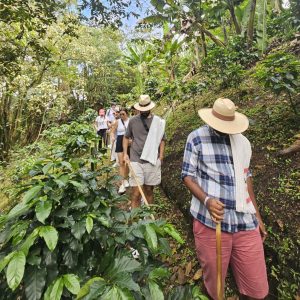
216, 171
101, 126
147, 132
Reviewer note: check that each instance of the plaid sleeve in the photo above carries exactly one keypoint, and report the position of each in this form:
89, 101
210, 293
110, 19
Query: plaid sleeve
190, 159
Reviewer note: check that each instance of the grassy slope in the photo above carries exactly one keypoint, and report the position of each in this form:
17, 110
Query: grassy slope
273, 127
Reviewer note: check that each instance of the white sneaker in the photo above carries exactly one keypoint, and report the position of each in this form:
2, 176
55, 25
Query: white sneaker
115, 165
126, 183
135, 253
122, 189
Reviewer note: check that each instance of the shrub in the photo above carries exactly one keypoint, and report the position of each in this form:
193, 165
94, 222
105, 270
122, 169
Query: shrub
280, 72
70, 229
219, 66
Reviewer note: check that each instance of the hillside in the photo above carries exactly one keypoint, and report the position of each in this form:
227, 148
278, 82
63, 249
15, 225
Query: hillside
273, 127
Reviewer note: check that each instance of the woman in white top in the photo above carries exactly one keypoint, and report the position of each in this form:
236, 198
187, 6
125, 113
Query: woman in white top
120, 129
101, 126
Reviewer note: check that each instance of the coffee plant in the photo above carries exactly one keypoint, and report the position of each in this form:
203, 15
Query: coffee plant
280, 72
68, 235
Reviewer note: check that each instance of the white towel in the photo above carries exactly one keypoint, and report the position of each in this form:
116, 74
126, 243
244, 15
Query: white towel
155, 135
241, 154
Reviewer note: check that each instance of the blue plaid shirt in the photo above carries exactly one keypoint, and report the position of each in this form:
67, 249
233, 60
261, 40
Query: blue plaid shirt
208, 158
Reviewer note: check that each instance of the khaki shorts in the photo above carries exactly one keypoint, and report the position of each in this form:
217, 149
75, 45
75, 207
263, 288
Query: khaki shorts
146, 173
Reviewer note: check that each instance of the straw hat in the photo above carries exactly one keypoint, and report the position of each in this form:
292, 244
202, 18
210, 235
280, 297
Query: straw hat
144, 103
224, 118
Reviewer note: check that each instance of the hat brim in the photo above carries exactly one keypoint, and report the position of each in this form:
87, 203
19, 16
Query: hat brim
144, 108
238, 125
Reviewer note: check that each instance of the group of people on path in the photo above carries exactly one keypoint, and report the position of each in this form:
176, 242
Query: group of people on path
216, 170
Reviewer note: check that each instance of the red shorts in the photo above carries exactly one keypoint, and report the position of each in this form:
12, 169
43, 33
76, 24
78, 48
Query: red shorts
243, 250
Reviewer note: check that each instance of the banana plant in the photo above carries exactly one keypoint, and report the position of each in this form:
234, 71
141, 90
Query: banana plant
140, 56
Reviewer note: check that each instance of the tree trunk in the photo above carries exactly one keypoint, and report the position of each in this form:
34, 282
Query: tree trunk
224, 32
215, 39
233, 18
203, 43
250, 31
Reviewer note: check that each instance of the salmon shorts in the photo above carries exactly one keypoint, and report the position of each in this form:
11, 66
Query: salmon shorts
242, 250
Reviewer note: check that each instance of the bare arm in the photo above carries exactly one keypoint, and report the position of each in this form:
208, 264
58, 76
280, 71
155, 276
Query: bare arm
214, 206
262, 228
162, 150
125, 148
113, 128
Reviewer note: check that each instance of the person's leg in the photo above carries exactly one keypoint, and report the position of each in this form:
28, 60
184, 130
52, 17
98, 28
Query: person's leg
248, 265
122, 167
135, 197
100, 140
148, 190
136, 177
152, 178
205, 242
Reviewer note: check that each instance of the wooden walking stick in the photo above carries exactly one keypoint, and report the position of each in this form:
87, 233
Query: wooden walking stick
219, 262
139, 186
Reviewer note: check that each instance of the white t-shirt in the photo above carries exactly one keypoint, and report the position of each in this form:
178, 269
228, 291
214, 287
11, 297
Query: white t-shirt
122, 127
110, 115
101, 123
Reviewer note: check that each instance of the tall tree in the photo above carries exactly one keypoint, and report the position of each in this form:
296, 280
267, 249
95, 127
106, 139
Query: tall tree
250, 31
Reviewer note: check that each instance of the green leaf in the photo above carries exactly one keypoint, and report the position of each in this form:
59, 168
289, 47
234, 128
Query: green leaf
43, 210
71, 282
30, 241
78, 204
50, 235
56, 290
104, 221
32, 193
115, 293
123, 264
6, 260
150, 237
47, 167
86, 288
158, 273
15, 270
197, 294
124, 280
170, 230
35, 280
77, 184
155, 291
78, 229
89, 224
18, 210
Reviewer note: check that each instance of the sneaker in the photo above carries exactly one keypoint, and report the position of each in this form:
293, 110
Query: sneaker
122, 189
115, 165
135, 253
126, 183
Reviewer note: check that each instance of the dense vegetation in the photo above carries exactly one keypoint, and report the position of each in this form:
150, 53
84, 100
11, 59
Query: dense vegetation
62, 223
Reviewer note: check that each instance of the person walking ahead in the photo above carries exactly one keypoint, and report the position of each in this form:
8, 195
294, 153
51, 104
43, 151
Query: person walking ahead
120, 130
216, 171
101, 126
147, 149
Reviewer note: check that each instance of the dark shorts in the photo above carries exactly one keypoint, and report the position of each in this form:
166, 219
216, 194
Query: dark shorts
119, 144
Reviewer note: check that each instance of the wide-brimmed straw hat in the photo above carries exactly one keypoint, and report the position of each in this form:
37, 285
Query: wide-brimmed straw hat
223, 117
144, 103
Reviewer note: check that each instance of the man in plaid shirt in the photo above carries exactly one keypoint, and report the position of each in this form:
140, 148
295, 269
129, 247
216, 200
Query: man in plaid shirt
209, 173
